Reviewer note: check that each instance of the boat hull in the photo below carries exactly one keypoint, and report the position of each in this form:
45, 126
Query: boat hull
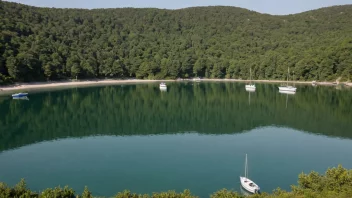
288, 89
249, 185
244, 191
162, 86
287, 92
250, 87
20, 95
21, 98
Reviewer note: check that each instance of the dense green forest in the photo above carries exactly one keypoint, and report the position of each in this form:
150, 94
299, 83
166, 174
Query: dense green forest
336, 183
205, 108
38, 44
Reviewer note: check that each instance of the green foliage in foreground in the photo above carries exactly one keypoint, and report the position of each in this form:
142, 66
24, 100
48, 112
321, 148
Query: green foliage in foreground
214, 42
336, 183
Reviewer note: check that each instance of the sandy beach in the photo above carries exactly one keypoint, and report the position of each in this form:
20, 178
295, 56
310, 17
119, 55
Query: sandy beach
55, 84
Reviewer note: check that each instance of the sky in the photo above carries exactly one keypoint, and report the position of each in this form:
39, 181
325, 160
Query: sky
276, 7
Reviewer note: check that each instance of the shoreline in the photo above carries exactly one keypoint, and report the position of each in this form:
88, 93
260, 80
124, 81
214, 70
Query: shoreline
82, 83
278, 81
69, 84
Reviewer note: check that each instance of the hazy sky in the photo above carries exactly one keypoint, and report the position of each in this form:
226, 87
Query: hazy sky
264, 6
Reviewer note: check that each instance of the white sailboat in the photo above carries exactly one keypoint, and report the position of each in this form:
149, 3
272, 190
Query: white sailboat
287, 87
250, 87
163, 86
248, 184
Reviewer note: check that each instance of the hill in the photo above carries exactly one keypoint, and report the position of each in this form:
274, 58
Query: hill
38, 44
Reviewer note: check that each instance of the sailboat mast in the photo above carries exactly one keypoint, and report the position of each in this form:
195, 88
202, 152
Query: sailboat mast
250, 74
245, 169
293, 78
288, 74
247, 166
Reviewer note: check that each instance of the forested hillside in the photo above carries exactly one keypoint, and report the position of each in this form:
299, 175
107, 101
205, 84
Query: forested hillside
38, 44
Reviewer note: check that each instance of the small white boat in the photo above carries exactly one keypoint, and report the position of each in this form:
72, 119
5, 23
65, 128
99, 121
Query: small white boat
19, 94
162, 86
287, 87
248, 184
250, 87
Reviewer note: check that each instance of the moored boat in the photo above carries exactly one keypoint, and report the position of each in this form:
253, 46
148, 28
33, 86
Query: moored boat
19, 94
250, 87
162, 86
248, 184
287, 87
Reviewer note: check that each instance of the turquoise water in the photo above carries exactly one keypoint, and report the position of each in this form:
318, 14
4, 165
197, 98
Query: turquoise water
194, 136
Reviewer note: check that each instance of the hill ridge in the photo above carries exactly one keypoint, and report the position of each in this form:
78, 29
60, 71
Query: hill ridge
38, 44
177, 9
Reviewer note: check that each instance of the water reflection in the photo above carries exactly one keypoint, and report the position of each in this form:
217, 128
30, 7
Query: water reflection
201, 163
20, 98
208, 108
287, 93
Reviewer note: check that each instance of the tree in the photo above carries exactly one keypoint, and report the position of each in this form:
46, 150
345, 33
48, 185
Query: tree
73, 63
12, 66
199, 67
86, 193
38, 44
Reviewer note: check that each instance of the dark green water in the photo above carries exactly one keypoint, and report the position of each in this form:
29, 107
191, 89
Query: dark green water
194, 136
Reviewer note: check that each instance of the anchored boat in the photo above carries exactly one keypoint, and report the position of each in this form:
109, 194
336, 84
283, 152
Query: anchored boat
162, 86
250, 87
248, 184
287, 87
19, 94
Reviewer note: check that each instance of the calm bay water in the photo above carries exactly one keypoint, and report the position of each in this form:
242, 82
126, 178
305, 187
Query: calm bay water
194, 136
